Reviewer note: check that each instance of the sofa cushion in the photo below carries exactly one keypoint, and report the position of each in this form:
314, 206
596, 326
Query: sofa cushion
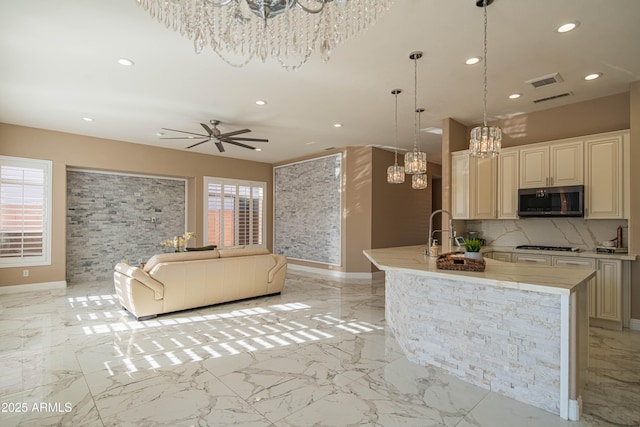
142, 277
179, 256
235, 252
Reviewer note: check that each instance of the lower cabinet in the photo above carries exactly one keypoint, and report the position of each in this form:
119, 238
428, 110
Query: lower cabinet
590, 263
501, 256
534, 259
609, 290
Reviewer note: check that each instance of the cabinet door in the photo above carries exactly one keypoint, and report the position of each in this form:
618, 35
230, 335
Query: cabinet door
508, 184
534, 167
603, 184
590, 263
609, 290
482, 182
566, 164
460, 185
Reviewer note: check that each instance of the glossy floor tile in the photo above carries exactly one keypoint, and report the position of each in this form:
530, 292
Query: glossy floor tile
319, 354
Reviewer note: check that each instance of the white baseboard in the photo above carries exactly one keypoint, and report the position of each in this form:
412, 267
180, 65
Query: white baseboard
634, 324
30, 287
335, 273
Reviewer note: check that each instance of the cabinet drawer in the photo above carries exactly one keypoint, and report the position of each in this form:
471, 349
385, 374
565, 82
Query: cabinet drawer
501, 256
573, 262
532, 259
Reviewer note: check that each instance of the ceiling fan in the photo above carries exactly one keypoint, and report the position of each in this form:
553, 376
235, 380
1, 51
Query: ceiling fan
213, 133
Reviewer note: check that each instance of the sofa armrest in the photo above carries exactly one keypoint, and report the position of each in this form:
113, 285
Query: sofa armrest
281, 262
142, 277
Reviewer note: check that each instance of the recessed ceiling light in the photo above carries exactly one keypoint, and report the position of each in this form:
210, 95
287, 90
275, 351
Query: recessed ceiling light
159, 133
569, 26
311, 142
258, 149
125, 62
433, 130
261, 102
87, 119
592, 76
337, 125
474, 60
515, 95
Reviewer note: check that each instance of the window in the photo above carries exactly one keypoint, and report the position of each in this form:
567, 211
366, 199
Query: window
25, 212
235, 212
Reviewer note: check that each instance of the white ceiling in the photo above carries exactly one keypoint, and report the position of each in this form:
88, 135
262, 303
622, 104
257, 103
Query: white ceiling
59, 65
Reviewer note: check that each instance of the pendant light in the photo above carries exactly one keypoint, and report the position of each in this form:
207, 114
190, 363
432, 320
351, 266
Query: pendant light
415, 161
395, 173
485, 141
419, 181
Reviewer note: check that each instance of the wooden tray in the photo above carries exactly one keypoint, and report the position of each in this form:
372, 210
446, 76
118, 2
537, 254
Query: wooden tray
453, 261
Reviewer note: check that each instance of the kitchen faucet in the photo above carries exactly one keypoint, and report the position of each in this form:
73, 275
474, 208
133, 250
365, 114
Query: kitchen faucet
452, 232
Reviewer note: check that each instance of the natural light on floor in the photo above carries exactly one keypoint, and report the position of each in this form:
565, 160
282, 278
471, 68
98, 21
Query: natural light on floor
217, 335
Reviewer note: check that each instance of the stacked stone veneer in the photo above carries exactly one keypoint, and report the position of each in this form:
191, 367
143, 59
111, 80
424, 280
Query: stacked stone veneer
307, 214
109, 220
465, 329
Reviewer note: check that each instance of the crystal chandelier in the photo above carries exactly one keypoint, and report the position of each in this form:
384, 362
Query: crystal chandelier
415, 161
289, 30
419, 181
485, 140
395, 173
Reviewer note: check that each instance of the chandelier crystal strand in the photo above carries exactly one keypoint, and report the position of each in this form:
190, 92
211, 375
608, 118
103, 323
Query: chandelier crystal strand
415, 161
395, 173
486, 141
287, 30
419, 181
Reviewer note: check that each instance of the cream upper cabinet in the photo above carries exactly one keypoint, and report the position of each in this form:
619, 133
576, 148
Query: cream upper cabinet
605, 176
473, 184
460, 185
551, 165
508, 168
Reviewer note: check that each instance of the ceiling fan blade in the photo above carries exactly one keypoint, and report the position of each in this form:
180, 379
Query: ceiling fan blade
239, 144
207, 128
186, 137
198, 143
249, 139
220, 146
235, 132
184, 131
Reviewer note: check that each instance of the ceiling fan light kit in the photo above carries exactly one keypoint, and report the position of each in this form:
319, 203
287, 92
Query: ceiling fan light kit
288, 30
214, 134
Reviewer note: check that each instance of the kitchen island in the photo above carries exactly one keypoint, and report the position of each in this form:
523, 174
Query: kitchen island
518, 330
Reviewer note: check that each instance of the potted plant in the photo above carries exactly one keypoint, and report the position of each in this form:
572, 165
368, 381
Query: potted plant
472, 247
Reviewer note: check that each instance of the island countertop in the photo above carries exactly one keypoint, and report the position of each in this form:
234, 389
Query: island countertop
546, 279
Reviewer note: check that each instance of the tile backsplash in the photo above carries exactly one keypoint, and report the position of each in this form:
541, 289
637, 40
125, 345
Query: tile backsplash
575, 232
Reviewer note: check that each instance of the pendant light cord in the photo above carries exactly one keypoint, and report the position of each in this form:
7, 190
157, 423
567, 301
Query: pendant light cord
485, 63
415, 104
396, 119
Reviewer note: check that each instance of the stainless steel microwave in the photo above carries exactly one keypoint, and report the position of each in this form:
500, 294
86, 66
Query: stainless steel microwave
551, 201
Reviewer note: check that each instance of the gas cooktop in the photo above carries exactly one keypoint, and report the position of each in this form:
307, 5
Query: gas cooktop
547, 248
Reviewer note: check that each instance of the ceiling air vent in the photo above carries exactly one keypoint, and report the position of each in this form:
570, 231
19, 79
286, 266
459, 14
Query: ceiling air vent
547, 80
549, 98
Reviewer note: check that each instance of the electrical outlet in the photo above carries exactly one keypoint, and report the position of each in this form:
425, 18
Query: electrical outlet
512, 351
25, 273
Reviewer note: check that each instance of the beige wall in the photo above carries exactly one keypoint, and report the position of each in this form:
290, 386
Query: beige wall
69, 150
400, 215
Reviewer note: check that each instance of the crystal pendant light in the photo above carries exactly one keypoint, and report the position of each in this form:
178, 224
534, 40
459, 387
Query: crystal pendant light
395, 173
485, 141
419, 181
415, 161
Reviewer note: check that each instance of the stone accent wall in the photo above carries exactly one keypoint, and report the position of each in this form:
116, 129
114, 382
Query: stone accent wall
109, 218
307, 214
465, 329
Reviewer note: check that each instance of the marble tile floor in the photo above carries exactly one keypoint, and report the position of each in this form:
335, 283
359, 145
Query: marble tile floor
317, 355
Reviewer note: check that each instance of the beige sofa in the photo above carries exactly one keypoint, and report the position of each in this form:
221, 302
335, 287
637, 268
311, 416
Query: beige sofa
178, 281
